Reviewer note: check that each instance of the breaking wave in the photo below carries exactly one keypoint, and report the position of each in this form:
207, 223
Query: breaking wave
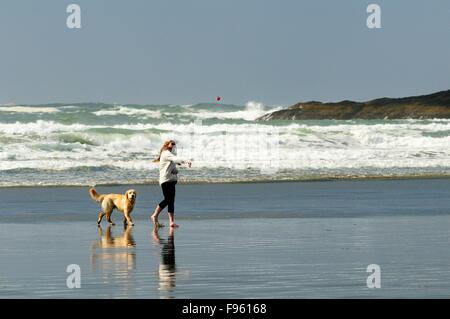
83, 144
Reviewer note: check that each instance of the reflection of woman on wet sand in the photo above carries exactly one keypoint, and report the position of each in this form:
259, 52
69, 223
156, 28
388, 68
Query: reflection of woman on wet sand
167, 267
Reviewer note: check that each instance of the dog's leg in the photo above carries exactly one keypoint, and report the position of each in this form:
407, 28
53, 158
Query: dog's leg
108, 218
100, 217
128, 218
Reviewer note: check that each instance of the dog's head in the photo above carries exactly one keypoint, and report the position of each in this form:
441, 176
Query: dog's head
131, 195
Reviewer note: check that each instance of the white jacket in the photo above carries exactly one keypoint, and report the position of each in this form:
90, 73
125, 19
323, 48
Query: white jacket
168, 167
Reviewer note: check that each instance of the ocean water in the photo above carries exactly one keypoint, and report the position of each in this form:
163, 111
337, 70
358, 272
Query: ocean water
109, 143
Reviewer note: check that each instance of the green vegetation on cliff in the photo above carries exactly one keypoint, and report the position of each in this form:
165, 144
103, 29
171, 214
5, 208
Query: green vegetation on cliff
436, 105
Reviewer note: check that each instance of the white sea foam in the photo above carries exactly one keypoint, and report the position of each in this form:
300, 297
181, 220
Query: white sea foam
252, 111
28, 109
70, 107
299, 146
42, 143
41, 128
123, 110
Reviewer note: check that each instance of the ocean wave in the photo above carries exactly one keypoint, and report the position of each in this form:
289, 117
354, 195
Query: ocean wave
296, 144
62, 156
129, 111
406, 129
252, 111
28, 109
80, 143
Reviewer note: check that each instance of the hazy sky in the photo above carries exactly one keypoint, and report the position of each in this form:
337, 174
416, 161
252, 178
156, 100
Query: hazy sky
276, 52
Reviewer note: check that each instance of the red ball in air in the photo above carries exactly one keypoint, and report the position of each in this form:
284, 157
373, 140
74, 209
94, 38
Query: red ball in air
218, 98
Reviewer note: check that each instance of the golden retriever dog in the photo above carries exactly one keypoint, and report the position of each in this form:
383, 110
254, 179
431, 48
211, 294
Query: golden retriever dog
123, 202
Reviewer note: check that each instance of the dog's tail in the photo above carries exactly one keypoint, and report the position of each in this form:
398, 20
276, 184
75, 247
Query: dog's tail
95, 196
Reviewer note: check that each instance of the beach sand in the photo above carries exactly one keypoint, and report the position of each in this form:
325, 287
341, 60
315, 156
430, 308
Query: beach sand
263, 240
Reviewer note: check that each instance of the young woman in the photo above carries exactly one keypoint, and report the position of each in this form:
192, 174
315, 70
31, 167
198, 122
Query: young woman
168, 171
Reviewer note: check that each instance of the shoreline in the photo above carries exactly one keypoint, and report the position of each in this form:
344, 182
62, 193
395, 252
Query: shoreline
305, 179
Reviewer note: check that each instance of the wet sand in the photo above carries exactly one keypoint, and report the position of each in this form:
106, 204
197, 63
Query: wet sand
268, 240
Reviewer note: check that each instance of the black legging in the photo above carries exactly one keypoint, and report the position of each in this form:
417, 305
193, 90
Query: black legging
168, 189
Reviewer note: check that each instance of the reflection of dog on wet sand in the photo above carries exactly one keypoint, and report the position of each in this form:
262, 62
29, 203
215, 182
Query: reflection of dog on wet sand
123, 202
107, 240
113, 254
